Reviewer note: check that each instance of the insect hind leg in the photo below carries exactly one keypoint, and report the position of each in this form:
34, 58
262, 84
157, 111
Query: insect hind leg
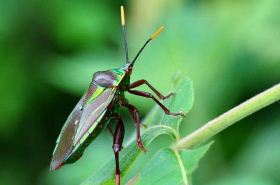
117, 146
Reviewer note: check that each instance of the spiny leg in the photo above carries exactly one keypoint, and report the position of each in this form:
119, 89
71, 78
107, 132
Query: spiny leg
149, 95
136, 117
117, 146
142, 82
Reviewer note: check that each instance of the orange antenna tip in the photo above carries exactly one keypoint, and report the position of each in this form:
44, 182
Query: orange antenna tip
157, 33
122, 16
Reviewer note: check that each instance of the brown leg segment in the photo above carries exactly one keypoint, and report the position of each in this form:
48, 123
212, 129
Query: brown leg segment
117, 146
142, 82
135, 115
149, 95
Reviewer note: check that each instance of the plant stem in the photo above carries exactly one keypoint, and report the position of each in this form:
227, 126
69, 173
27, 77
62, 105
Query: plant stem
230, 117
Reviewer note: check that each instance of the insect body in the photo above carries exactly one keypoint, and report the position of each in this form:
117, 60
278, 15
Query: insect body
99, 105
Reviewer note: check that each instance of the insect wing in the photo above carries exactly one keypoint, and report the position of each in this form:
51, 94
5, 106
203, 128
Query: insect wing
64, 143
93, 113
78, 124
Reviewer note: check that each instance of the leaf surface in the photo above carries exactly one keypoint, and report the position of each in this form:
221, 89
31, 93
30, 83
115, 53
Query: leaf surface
170, 167
182, 101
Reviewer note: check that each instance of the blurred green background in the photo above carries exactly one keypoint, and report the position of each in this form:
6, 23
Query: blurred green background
49, 50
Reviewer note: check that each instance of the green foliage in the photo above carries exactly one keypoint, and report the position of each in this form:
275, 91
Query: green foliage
170, 167
181, 101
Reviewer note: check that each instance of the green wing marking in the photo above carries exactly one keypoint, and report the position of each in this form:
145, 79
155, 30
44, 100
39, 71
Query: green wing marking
97, 91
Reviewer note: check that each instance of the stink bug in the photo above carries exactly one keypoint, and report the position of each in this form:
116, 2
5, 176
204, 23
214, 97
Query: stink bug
99, 105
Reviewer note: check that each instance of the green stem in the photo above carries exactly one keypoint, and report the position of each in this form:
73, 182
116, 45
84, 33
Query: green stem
229, 118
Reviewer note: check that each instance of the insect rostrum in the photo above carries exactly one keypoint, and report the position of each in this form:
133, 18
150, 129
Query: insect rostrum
100, 104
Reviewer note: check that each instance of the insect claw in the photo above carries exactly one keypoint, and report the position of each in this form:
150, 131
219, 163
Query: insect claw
141, 146
170, 94
144, 125
182, 114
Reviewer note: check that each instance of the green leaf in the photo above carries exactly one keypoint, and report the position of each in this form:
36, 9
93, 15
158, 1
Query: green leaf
192, 157
162, 169
170, 167
181, 101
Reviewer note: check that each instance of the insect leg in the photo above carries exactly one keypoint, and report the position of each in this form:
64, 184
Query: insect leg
117, 146
142, 82
149, 95
135, 115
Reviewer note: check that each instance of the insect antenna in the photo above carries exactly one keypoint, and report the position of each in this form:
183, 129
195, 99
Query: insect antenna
154, 35
124, 33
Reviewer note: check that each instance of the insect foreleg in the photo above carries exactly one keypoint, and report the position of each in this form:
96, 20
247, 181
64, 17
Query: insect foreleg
142, 82
149, 95
117, 146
